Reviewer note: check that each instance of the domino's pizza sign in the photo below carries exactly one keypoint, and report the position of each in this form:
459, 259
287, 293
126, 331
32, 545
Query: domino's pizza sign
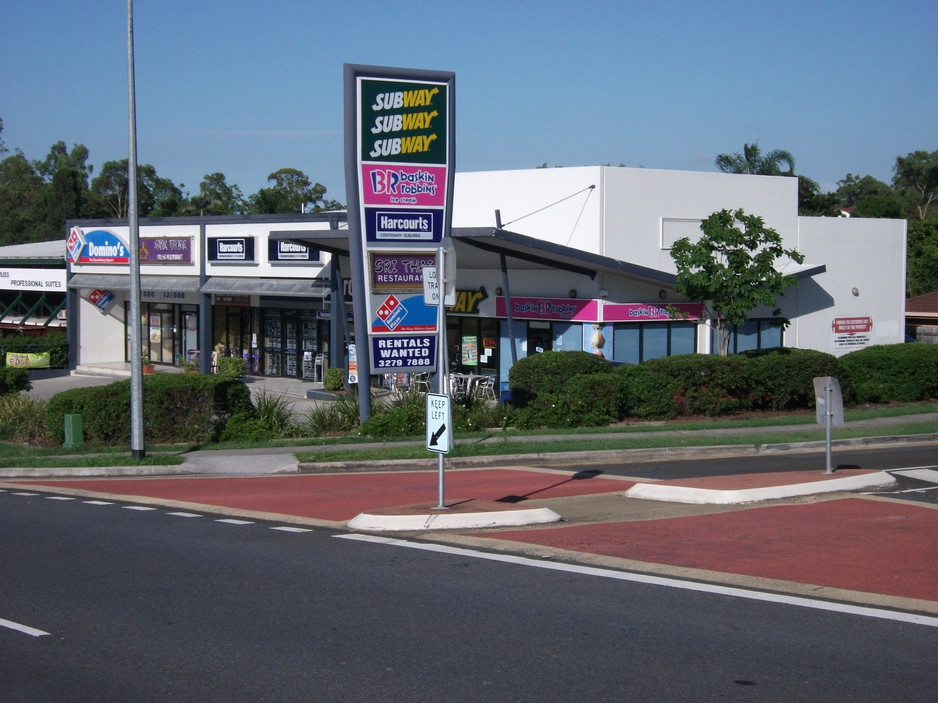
96, 247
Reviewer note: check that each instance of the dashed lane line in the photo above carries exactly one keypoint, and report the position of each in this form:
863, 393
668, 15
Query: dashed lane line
141, 508
25, 629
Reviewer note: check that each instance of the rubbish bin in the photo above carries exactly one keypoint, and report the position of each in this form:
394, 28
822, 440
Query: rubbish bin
74, 434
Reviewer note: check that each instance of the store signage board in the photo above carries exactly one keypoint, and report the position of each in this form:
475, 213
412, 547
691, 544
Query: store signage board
399, 182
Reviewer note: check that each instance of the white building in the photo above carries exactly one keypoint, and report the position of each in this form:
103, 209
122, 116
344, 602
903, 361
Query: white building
583, 254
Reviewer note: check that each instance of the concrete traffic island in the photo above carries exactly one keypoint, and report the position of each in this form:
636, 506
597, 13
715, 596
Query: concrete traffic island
457, 515
752, 488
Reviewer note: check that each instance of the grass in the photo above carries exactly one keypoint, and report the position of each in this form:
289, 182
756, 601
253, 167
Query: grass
497, 443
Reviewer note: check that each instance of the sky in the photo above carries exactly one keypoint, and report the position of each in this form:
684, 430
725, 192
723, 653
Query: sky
249, 87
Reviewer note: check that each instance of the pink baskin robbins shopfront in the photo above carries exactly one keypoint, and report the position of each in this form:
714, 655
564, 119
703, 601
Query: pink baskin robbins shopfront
619, 332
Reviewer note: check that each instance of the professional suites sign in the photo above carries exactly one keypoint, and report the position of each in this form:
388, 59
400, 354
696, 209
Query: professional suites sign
399, 146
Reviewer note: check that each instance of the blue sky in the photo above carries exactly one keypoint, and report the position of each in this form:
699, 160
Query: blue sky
246, 88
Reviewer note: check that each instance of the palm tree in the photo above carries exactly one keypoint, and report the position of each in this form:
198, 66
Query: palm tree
753, 161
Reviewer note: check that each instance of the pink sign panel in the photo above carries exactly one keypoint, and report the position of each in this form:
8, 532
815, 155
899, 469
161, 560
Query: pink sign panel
394, 184
548, 308
644, 312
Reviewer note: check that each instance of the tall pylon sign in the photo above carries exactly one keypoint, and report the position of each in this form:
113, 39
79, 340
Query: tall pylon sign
399, 167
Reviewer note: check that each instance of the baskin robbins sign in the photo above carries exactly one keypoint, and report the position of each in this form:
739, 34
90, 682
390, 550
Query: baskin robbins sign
98, 246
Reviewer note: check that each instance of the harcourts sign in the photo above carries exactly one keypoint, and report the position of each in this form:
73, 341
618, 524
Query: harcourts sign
231, 249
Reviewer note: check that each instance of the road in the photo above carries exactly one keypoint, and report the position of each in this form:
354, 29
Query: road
159, 604
880, 458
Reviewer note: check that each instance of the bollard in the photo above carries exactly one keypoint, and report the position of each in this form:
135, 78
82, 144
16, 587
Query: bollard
74, 434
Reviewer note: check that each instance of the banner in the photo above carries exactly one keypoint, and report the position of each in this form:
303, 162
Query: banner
27, 360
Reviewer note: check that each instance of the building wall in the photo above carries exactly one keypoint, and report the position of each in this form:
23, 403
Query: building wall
639, 212
861, 254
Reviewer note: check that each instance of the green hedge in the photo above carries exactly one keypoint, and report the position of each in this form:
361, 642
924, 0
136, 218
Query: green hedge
571, 389
585, 400
782, 379
894, 372
548, 372
688, 384
176, 408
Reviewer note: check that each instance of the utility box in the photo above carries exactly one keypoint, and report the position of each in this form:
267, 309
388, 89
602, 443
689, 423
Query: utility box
74, 433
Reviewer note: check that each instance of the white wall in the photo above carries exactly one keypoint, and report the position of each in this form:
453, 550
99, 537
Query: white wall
639, 202
101, 335
553, 204
865, 254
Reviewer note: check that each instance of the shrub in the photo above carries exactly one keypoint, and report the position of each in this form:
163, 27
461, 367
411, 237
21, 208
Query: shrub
13, 380
176, 407
479, 414
334, 379
585, 400
783, 378
404, 416
546, 373
22, 420
332, 417
276, 413
893, 372
687, 384
232, 367
247, 427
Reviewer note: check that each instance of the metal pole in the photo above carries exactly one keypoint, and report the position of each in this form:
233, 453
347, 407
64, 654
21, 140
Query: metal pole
442, 361
507, 292
137, 446
828, 389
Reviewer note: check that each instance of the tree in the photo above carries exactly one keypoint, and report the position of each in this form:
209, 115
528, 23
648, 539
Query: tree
811, 201
753, 161
731, 270
291, 191
922, 257
20, 186
916, 177
156, 197
216, 197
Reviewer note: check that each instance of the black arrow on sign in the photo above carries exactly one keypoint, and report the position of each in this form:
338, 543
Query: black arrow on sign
436, 435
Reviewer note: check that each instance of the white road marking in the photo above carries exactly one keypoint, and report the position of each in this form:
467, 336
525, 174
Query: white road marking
96, 502
138, 507
25, 629
291, 529
59, 498
798, 601
23, 493
185, 514
232, 521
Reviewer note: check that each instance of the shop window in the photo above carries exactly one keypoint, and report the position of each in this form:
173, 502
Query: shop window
634, 342
751, 335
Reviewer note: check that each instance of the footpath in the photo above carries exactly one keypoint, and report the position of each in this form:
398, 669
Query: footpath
838, 536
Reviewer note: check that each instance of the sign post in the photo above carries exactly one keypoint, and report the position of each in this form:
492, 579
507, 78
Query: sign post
829, 404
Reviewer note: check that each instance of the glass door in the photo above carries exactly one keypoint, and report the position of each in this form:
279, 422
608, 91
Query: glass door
273, 343
308, 347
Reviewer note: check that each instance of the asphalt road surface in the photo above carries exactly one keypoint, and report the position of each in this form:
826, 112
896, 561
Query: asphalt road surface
881, 459
141, 604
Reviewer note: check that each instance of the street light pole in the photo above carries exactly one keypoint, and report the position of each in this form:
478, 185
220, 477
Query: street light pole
137, 446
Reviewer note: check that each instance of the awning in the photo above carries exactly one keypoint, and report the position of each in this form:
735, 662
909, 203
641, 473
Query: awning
108, 281
483, 247
803, 271
293, 287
